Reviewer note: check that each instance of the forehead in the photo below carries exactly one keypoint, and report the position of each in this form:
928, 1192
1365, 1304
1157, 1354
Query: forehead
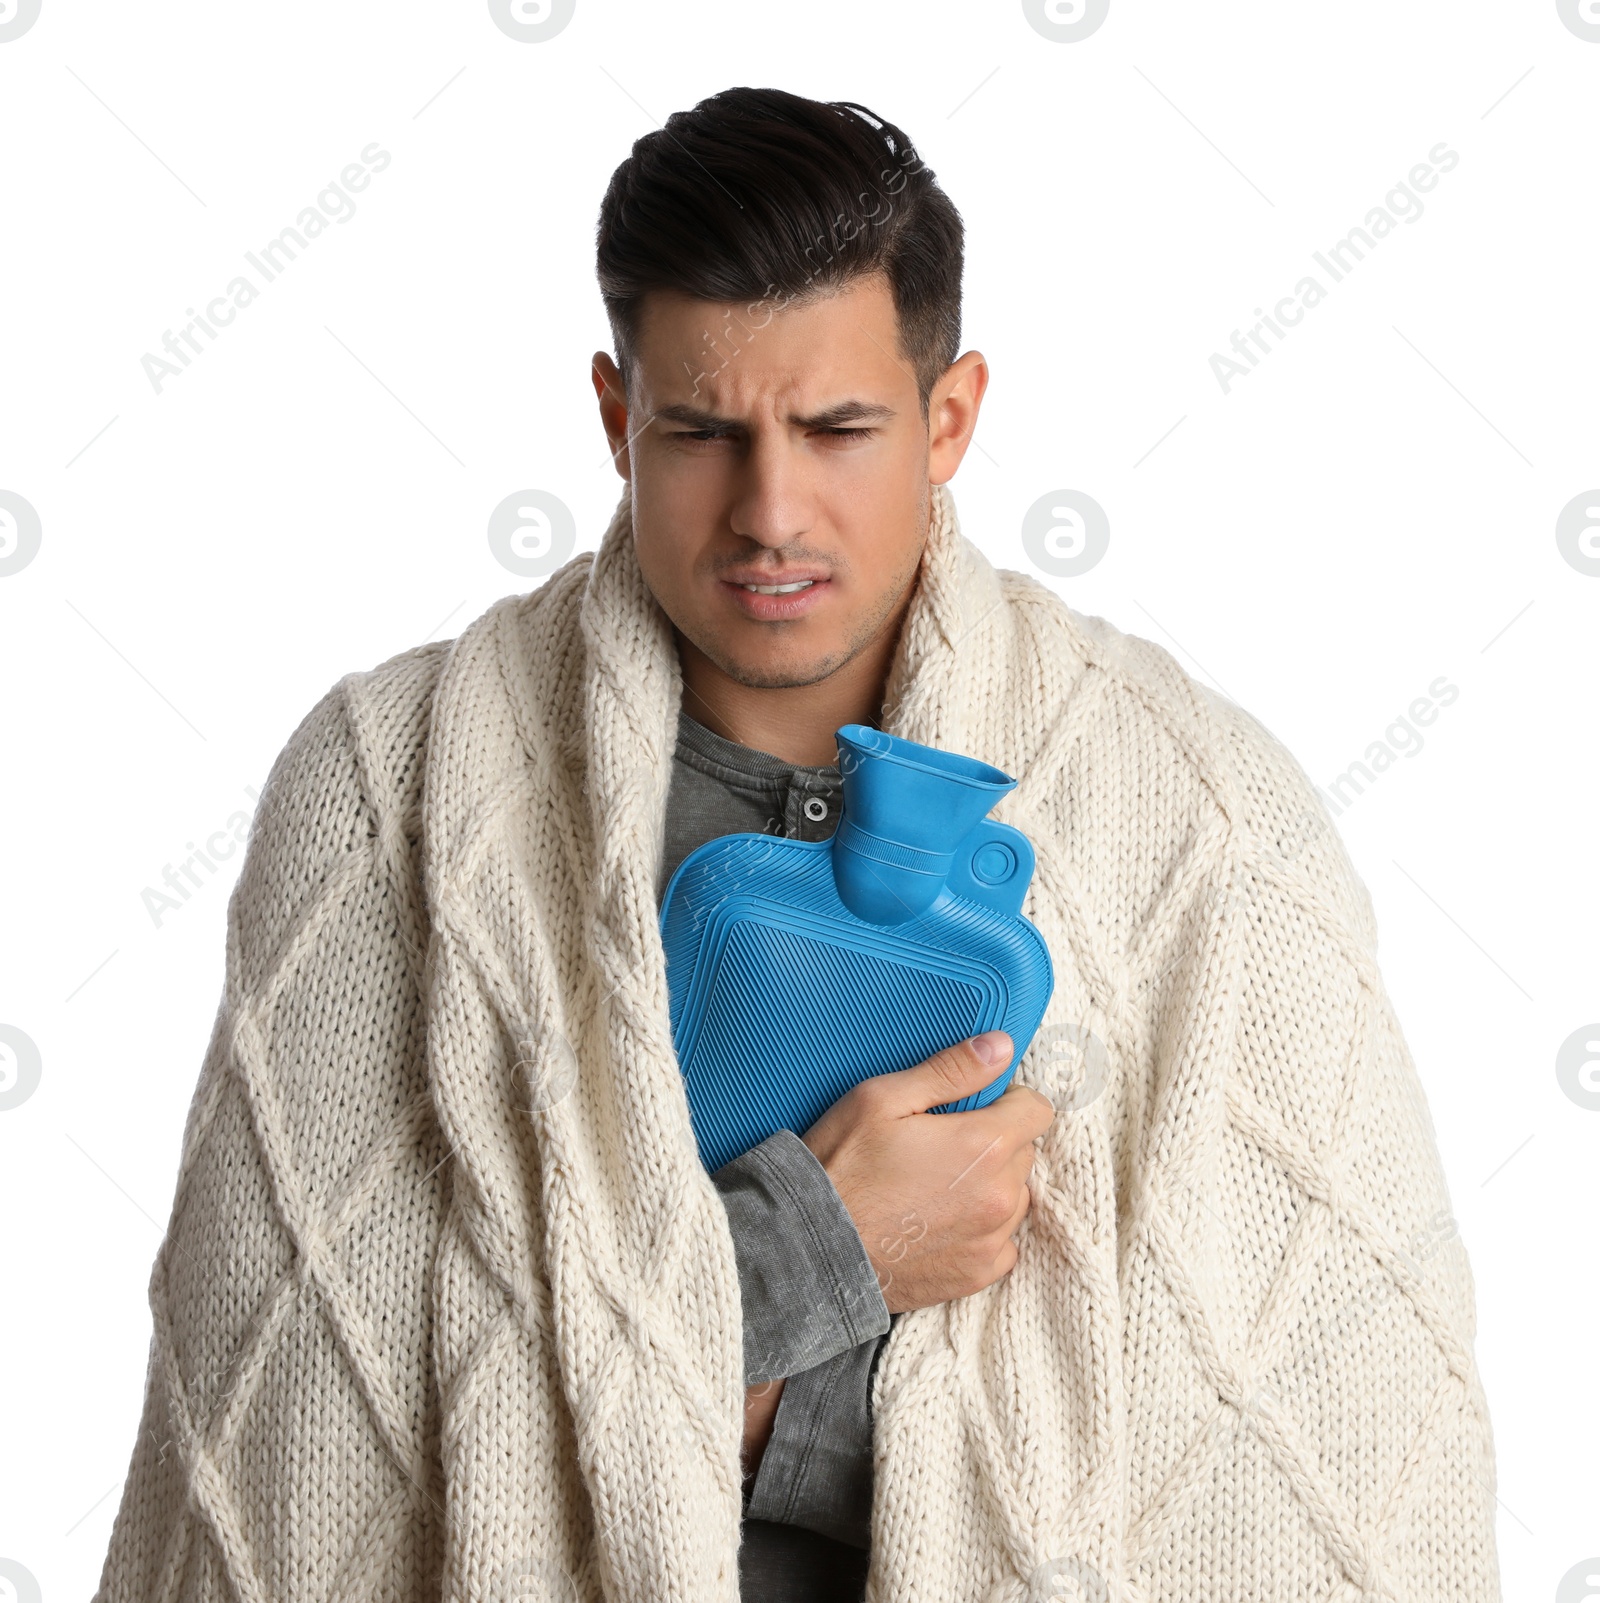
743, 355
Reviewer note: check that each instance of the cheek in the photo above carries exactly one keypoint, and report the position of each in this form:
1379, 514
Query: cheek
665, 563
900, 559
887, 523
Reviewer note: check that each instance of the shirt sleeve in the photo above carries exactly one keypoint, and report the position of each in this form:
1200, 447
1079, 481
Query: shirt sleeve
817, 1468
815, 1315
808, 1290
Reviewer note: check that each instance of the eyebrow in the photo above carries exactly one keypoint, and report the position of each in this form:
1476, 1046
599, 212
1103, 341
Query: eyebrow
851, 411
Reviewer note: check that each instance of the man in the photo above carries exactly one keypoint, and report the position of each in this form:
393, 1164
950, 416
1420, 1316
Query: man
448, 1306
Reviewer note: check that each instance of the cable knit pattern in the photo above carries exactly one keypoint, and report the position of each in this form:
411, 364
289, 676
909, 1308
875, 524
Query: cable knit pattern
448, 1308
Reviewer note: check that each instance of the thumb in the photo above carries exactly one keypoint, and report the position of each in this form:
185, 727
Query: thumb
949, 1075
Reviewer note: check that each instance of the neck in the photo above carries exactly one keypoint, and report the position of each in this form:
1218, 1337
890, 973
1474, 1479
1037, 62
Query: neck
794, 722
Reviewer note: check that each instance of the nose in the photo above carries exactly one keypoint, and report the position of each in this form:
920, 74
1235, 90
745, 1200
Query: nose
772, 505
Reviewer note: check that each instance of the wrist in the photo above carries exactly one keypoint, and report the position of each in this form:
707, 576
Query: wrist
760, 1410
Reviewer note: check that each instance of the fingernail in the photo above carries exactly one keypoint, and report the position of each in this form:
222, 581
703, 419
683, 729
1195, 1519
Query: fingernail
992, 1046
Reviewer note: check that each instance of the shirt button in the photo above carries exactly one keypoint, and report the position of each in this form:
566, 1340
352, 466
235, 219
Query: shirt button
816, 809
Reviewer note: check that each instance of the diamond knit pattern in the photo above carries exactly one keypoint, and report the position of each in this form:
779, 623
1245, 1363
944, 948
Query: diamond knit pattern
447, 1308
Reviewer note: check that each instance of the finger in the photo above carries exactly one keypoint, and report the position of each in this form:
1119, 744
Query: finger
987, 1145
1005, 1260
1028, 1112
1018, 1118
947, 1076
1021, 1165
1020, 1212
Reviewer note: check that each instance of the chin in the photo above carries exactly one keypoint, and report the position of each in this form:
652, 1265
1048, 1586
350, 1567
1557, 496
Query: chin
778, 669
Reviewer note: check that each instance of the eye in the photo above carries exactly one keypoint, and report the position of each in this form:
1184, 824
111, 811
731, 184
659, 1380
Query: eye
704, 437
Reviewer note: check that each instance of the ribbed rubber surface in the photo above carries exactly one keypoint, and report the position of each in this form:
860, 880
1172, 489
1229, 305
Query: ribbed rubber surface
783, 999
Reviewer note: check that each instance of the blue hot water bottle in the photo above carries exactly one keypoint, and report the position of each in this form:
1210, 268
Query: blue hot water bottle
799, 968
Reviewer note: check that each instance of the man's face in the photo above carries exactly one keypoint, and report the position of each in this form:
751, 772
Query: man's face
772, 447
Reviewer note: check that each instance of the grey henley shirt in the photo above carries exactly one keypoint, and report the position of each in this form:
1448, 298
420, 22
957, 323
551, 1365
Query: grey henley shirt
812, 1308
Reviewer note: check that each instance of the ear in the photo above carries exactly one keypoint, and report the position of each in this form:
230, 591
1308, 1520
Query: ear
613, 396
953, 408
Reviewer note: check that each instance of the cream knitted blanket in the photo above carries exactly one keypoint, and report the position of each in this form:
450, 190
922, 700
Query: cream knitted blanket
447, 1307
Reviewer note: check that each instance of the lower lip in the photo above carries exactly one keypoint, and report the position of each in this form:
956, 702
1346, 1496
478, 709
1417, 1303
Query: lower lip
769, 609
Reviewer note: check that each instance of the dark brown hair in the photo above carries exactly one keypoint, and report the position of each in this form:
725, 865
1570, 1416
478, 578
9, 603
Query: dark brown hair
757, 193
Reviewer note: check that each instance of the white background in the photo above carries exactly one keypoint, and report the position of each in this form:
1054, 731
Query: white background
1373, 507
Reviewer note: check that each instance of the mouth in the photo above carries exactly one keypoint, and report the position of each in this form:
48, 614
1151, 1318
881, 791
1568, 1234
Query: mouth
767, 603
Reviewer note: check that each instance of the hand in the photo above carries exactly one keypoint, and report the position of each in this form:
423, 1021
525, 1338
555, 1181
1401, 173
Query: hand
936, 1197
760, 1411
